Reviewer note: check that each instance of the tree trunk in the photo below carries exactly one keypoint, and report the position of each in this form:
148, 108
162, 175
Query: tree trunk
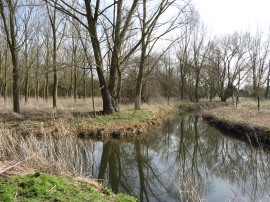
16, 89
75, 83
26, 87
268, 82
84, 84
197, 87
11, 34
92, 29
37, 77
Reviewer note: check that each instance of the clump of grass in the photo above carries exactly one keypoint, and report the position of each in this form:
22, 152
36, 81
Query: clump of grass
127, 115
45, 187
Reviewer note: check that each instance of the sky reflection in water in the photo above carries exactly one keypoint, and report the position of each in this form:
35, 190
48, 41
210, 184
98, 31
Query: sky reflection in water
183, 161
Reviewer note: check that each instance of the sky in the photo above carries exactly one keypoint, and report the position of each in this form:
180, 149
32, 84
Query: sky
226, 16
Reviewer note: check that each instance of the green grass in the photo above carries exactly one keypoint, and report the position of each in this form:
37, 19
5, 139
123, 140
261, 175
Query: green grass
124, 116
31, 188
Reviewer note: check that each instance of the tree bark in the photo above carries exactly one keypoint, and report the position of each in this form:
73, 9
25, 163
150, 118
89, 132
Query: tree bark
92, 29
11, 33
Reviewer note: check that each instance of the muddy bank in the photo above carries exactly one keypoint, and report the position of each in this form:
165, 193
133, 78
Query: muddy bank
257, 136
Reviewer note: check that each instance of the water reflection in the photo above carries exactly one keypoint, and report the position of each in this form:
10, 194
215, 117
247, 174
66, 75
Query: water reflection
186, 160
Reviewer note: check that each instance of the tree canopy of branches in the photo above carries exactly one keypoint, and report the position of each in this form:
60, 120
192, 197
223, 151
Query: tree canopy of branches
124, 50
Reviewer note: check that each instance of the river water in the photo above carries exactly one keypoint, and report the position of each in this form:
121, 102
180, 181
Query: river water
185, 160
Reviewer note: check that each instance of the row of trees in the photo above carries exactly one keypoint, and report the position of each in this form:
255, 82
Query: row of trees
122, 49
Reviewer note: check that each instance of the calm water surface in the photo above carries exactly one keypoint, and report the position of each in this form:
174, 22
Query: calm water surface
183, 161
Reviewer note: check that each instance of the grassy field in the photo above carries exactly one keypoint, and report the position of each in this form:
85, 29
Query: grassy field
246, 112
76, 117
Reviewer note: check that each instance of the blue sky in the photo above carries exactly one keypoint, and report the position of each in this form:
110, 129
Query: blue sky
226, 16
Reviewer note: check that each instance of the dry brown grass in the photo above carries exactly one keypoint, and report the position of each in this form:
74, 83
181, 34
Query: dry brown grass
245, 113
44, 152
45, 138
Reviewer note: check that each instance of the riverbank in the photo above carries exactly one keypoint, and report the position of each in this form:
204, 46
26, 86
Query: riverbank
245, 121
22, 136
44, 187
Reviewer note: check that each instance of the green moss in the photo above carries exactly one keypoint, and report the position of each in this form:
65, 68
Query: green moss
50, 188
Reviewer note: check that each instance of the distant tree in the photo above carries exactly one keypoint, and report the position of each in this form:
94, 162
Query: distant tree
57, 40
200, 52
183, 55
267, 82
258, 53
151, 23
225, 64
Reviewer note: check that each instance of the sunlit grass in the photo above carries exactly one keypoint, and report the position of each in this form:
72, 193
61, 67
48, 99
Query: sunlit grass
44, 187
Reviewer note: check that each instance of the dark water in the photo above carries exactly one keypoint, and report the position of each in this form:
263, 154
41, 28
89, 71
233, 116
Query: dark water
186, 160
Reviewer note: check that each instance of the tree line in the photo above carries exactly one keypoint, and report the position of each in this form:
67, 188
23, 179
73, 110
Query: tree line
123, 50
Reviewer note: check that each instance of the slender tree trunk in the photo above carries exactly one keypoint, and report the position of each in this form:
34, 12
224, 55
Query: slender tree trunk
26, 87
84, 84
37, 77
139, 81
75, 83
182, 87
268, 82
197, 87
55, 76
5, 79
16, 89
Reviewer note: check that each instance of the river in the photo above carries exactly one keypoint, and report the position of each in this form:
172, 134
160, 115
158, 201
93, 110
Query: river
184, 160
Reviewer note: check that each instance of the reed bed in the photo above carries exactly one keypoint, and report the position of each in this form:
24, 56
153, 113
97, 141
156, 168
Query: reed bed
58, 153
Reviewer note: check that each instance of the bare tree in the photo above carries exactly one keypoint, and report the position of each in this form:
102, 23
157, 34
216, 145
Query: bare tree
27, 43
91, 12
151, 23
121, 31
57, 40
183, 57
225, 63
8, 15
200, 49
4, 63
258, 52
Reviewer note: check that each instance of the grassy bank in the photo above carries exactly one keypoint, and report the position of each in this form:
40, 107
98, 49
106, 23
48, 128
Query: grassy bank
245, 120
44, 140
44, 187
78, 119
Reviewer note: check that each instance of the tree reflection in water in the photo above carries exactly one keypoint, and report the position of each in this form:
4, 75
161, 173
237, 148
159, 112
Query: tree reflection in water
185, 160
